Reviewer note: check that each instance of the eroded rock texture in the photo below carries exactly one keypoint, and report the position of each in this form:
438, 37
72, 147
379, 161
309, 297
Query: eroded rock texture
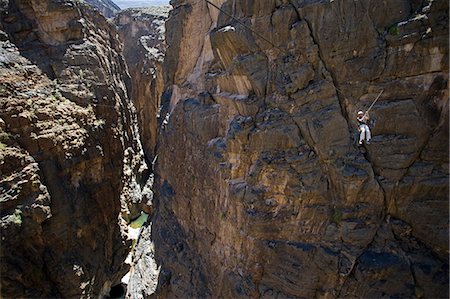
261, 189
71, 163
107, 7
143, 33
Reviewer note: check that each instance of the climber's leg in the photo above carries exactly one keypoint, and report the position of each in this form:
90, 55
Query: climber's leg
361, 134
368, 135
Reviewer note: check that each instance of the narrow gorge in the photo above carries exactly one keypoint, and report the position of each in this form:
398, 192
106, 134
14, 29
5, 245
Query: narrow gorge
232, 125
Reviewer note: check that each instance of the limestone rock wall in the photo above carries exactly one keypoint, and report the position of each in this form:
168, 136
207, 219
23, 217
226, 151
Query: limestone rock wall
261, 190
107, 7
71, 163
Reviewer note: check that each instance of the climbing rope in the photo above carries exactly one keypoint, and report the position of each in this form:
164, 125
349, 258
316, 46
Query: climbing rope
243, 24
379, 95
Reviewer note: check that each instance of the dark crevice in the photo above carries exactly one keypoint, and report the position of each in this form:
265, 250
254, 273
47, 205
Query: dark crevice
117, 292
334, 81
344, 113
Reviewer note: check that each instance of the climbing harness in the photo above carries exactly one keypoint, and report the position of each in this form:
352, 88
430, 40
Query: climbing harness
363, 130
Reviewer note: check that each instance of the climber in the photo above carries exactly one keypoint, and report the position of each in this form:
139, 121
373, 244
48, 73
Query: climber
363, 128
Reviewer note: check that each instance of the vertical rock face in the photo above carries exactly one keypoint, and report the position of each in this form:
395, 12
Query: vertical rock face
107, 7
143, 33
71, 163
261, 189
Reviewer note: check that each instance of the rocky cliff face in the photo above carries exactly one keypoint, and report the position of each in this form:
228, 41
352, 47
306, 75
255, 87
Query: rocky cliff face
71, 163
107, 7
261, 189
143, 33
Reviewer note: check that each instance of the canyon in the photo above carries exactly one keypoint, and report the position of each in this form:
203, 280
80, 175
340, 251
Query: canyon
232, 124
72, 165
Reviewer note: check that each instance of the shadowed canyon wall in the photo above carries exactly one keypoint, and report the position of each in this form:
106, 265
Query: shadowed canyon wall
261, 190
71, 162
143, 33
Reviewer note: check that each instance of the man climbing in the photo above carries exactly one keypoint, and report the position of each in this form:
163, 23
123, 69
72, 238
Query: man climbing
363, 128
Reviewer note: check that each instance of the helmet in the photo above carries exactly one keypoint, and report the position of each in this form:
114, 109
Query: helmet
360, 113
